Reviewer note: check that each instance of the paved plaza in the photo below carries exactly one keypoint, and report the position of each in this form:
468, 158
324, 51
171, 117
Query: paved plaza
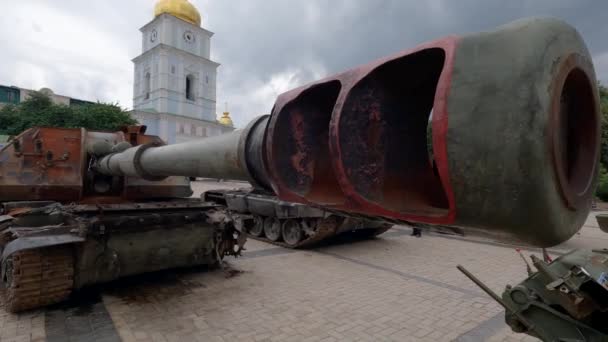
392, 288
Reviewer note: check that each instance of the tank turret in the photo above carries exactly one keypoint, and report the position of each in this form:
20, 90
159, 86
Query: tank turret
495, 133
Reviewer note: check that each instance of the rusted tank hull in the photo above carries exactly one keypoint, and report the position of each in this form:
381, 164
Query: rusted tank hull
121, 255
45, 163
51, 250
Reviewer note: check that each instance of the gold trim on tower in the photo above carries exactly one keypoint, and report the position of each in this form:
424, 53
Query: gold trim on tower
181, 9
226, 120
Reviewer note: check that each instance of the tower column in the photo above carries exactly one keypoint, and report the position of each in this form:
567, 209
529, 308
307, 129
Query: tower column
181, 83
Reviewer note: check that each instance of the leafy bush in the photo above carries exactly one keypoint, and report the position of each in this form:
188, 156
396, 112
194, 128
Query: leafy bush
39, 110
602, 185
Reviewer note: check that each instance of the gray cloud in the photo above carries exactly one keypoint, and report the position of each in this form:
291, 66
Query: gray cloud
264, 47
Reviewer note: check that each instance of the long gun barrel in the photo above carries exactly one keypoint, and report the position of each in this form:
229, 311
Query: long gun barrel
495, 132
237, 156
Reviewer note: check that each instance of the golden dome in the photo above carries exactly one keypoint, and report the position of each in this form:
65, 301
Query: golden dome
226, 120
178, 8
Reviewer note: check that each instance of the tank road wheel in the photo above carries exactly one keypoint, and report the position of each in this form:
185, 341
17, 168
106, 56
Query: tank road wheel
37, 277
272, 228
258, 227
292, 232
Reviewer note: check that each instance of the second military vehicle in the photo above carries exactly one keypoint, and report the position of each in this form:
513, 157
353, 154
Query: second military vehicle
291, 225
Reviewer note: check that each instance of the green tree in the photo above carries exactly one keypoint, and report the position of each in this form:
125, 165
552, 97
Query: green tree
101, 116
602, 184
39, 110
604, 113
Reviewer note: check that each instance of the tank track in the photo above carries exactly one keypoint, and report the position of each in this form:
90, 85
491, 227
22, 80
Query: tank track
326, 228
258, 205
38, 277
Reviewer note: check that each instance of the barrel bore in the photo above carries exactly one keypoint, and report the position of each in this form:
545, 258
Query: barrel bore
575, 137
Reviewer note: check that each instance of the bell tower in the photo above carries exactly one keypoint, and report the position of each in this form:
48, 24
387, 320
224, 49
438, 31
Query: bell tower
174, 73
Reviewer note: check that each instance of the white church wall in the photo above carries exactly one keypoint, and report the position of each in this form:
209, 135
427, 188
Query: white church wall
175, 129
168, 70
173, 51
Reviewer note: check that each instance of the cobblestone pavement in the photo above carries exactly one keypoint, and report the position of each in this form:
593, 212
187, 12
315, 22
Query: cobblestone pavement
393, 288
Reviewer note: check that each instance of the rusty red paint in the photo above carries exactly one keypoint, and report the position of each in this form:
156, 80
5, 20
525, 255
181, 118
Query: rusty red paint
45, 163
19, 211
375, 181
51, 164
299, 155
301, 159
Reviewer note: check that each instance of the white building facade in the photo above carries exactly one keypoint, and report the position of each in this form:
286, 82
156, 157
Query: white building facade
175, 80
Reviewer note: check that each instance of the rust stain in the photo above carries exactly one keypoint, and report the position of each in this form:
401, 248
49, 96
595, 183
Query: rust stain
19, 211
52, 164
598, 260
300, 160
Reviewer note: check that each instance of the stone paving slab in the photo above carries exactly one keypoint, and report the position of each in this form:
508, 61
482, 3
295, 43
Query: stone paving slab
387, 289
393, 288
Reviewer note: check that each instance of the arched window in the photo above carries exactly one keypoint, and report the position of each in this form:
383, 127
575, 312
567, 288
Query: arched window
147, 85
190, 87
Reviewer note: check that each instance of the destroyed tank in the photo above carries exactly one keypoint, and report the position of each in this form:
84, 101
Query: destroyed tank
514, 118
64, 226
565, 299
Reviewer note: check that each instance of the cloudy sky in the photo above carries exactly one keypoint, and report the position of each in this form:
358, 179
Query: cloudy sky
84, 48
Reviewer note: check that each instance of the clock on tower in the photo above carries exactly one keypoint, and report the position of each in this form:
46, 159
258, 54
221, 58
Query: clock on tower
175, 73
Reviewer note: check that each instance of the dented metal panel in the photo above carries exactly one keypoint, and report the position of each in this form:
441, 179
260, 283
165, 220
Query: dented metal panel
42, 164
